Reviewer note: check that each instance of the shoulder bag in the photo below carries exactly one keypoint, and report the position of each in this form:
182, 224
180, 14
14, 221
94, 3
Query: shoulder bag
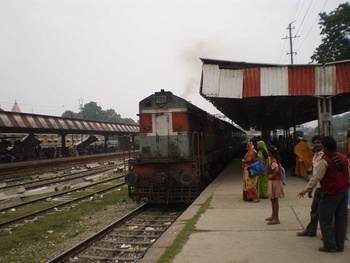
256, 168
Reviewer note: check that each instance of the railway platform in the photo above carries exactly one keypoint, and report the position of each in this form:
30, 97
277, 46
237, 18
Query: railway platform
232, 231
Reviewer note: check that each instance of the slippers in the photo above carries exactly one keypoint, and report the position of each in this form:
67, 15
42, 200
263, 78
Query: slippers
255, 201
273, 222
269, 219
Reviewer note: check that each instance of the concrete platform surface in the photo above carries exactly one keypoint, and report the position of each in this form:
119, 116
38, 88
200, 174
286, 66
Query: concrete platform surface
235, 231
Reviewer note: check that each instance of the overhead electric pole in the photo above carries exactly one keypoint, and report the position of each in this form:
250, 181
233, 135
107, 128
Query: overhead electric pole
290, 41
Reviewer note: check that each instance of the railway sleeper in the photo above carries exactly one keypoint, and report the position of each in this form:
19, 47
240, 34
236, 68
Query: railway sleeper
134, 235
139, 243
112, 259
118, 249
142, 230
159, 194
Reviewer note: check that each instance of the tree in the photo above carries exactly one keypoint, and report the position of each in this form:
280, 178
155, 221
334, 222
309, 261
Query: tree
111, 116
91, 111
70, 114
335, 29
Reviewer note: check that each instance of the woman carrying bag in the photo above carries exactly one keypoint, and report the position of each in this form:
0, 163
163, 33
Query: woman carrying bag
250, 191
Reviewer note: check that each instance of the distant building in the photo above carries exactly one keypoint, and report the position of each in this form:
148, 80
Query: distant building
15, 107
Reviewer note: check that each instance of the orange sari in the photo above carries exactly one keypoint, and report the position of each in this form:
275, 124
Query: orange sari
303, 162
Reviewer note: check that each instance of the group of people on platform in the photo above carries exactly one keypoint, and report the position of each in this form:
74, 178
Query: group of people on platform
330, 177
295, 154
267, 185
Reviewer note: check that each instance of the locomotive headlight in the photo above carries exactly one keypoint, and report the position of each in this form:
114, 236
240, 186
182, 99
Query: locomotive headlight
186, 179
131, 178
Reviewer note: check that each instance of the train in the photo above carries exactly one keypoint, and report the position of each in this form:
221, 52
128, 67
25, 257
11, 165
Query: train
182, 149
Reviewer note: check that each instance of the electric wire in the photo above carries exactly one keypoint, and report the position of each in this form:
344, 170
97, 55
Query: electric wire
296, 13
284, 50
308, 33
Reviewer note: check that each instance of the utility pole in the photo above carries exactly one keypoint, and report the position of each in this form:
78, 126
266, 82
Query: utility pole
290, 41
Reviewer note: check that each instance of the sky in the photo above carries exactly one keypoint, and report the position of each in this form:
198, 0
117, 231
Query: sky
57, 55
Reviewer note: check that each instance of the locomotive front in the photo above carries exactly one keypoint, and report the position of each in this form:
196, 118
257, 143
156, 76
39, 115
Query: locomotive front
167, 169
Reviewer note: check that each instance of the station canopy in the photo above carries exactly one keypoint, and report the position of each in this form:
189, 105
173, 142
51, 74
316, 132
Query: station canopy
269, 96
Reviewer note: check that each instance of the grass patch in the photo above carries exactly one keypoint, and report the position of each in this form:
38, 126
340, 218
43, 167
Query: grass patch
182, 237
35, 242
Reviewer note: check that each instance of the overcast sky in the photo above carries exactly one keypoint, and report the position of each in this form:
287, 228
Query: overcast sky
54, 53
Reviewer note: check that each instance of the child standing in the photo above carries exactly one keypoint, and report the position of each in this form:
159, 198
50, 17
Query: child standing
275, 187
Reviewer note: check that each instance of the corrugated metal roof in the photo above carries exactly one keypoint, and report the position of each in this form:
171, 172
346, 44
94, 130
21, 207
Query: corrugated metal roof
267, 96
24, 123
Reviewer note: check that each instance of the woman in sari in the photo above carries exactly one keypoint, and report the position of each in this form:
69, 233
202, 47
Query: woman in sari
304, 157
250, 191
263, 179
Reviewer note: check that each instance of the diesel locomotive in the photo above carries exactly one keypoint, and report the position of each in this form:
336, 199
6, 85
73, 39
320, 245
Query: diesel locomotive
182, 149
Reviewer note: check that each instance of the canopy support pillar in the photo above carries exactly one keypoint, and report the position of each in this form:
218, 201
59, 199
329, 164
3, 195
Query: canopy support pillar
324, 106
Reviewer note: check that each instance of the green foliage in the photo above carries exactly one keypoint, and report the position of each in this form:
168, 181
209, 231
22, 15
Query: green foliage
70, 114
91, 111
340, 127
335, 29
341, 124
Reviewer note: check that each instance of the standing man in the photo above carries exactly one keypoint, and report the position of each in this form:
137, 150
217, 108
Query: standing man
304, 155
311, 229
333, 173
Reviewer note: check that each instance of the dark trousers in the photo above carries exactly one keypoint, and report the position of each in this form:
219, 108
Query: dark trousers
311, 228
334, 207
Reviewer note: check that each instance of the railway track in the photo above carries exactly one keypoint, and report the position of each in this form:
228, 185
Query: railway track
71, 200
59, 178
125, 240
11, 170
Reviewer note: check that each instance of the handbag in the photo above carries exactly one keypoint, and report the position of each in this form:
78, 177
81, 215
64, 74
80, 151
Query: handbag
256, 168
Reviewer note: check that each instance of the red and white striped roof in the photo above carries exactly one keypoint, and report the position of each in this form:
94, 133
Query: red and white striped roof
31, 122
270, 96
293, 80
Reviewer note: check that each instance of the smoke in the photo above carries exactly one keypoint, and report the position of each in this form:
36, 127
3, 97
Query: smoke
190, 57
